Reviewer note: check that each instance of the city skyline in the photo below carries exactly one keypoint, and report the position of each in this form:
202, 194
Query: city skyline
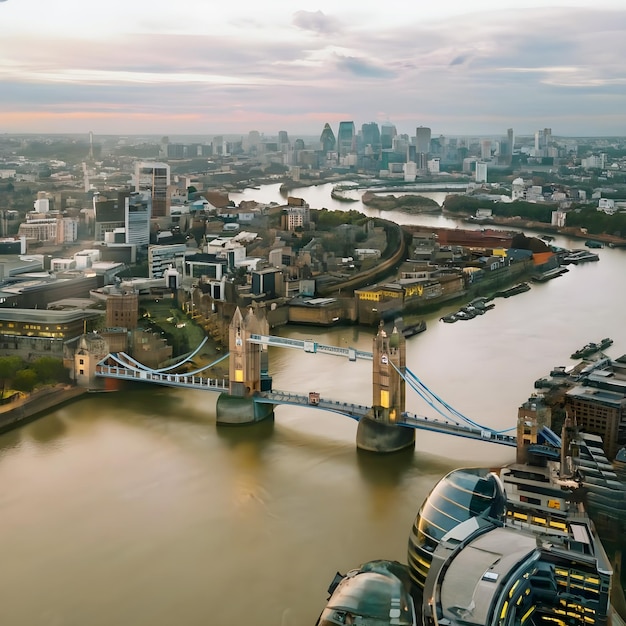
187, 70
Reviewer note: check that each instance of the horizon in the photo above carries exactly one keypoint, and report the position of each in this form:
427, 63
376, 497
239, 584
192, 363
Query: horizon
181, 137
182, 68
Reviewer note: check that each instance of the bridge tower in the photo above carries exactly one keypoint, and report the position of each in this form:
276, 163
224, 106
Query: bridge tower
378, 432
245, 357
247, 370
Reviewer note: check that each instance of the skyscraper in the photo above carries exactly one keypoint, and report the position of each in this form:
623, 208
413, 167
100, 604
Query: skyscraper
327, 139
422, 140
485, 149
387, 133
510, 141
155, 177
346, 138
371, 136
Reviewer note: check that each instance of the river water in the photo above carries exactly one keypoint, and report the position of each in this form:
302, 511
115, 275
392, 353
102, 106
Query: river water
134, 508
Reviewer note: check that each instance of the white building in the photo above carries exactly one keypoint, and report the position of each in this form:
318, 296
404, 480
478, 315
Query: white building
42, 204
367, 253
607, 205
54, 230
410, 171
558, 218
518, 189
433, 165
594, 161
161, 257
481, 172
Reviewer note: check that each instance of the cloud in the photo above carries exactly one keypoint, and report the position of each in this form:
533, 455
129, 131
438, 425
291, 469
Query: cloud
459, 60
538, 67
362, 67
316, 22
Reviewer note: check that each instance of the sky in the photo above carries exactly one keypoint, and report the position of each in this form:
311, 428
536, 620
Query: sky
205, 67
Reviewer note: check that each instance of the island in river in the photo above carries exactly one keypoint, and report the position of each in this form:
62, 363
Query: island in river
407, 203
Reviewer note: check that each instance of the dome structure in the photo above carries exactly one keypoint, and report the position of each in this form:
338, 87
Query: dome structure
459, 496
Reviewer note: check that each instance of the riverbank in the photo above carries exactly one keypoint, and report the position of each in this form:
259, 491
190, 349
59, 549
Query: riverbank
29, 407
541, 227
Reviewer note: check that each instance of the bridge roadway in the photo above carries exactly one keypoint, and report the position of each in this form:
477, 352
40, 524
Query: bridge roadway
171, 380
310, 346
357, 411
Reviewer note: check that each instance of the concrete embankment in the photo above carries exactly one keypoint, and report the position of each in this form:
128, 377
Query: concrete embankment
28, 408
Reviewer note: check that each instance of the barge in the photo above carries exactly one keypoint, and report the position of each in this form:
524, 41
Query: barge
592, 348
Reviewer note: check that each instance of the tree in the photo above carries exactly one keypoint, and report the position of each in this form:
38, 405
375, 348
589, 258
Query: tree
50, 370
25, 380
9, 365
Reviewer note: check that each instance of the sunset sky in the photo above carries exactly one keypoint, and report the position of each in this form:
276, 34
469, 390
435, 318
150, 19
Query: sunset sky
205, 67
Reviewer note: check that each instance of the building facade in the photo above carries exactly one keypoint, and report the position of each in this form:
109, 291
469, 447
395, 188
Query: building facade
154, 177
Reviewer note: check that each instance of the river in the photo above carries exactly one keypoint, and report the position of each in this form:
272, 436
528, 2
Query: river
134, 508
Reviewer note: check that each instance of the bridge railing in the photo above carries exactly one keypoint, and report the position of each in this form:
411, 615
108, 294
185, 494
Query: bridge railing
310, 346
186, 380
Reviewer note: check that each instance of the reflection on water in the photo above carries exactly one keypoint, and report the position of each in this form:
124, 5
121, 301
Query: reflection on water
235, 435
48, 430
386, 470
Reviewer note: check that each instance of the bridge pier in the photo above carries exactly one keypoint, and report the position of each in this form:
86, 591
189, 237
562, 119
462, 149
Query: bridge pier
377, 435
235, 410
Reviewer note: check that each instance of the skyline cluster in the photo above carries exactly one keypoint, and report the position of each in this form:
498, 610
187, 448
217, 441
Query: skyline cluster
183, 68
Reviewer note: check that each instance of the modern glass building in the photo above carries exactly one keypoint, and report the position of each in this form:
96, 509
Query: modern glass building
327, 139
508, 551
346, 138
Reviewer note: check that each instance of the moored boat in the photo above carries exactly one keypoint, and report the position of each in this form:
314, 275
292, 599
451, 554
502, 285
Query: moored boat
512, 291
580, 256
591, 348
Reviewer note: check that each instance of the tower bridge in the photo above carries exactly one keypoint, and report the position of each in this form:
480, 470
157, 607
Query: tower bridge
247, 395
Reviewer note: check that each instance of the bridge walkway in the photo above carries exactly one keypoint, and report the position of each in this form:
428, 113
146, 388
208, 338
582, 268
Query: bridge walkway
357, 411
189, 381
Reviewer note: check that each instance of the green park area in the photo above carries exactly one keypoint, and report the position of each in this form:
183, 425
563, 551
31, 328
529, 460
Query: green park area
165, 318
18, 376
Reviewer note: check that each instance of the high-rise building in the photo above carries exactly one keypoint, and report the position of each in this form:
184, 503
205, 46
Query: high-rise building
110, 214
254, 142
481, 172
422, 140
346, 138
387, 133
138, 212
327, 139
155, 177
510, 141
371, 136
485, 149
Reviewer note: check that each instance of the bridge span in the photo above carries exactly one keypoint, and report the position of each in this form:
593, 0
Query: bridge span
246, 395
359, 411
309, 345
